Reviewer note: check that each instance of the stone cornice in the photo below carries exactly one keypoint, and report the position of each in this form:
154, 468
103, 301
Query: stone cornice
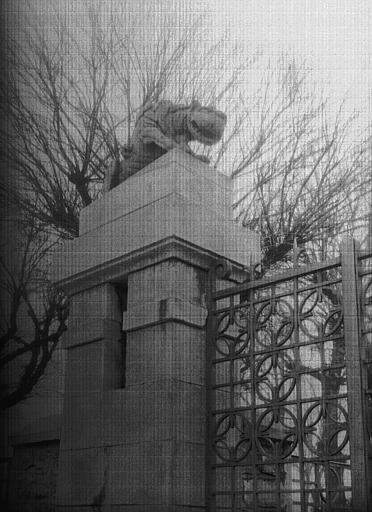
117, 269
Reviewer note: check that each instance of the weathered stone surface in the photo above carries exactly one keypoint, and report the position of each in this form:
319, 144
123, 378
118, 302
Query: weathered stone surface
83, 421
165, 351
170, 309
32, 477
160, 473
83, 477
170, 290
167, 473
98, 302
167, 279
165, 410
95, 366
45, 428
168, 409
196, 182
87, 330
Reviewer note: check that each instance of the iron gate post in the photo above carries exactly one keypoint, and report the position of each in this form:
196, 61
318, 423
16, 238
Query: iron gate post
210, 333
354, 367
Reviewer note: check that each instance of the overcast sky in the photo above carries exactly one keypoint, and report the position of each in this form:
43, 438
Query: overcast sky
333, 36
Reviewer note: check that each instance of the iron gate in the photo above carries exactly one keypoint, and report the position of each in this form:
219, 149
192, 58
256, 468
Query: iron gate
289, 411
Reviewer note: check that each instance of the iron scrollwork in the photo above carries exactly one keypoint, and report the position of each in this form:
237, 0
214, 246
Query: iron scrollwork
281, 433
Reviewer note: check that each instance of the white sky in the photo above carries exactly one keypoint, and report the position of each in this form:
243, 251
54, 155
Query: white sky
333, 36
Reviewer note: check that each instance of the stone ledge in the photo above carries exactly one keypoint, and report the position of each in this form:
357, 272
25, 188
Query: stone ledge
165, 310
171, 216
45, 429
170, 248
81, 332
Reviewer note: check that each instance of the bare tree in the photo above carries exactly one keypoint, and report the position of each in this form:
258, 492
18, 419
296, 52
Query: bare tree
66, 119
33, 315
70, 104
300, 174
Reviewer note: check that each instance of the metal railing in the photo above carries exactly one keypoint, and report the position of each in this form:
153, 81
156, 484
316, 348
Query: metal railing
289, 388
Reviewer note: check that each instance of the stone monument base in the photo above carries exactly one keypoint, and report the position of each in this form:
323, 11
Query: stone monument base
133, 433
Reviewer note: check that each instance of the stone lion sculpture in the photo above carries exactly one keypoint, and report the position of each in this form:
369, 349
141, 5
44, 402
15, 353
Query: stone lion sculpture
161, 127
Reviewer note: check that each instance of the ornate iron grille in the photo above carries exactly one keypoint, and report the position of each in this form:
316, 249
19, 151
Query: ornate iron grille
279, 409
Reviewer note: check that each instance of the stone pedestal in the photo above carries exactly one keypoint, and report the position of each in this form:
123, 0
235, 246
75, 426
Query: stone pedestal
133, 434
